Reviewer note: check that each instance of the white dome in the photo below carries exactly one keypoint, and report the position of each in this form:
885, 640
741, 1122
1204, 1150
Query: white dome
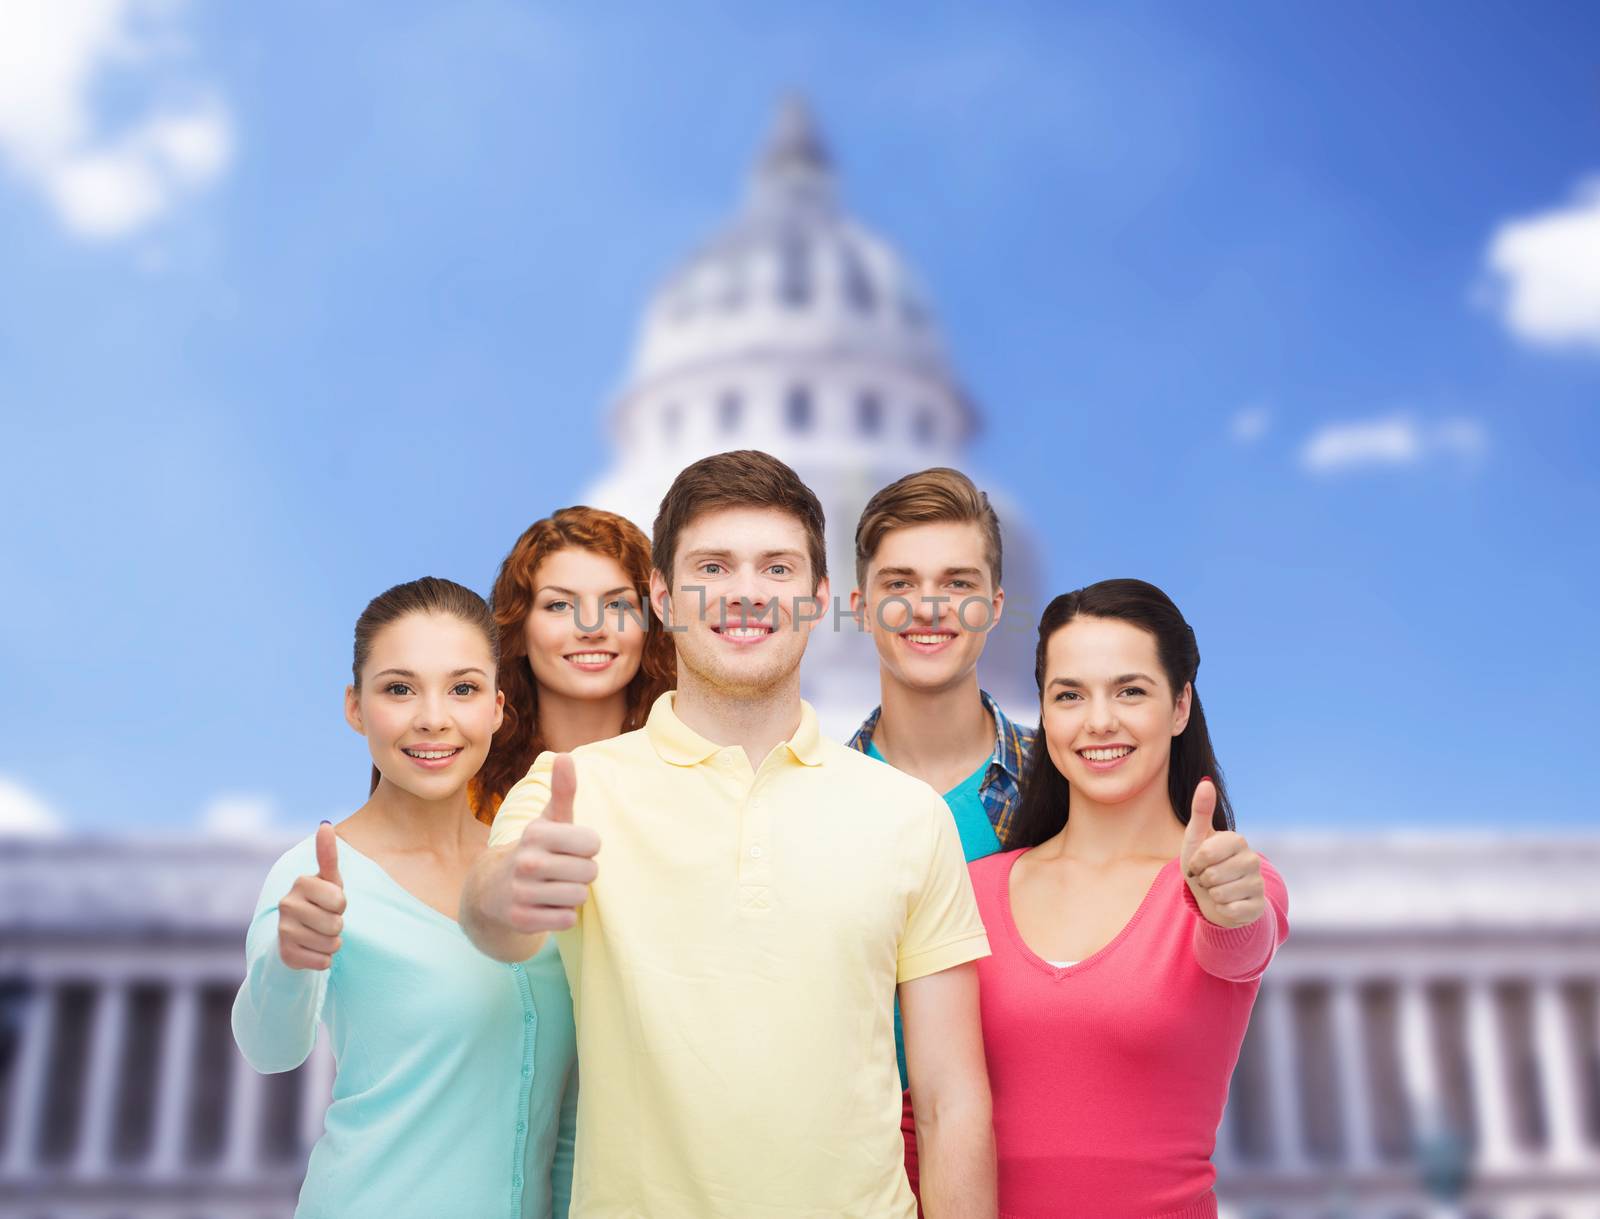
796, 331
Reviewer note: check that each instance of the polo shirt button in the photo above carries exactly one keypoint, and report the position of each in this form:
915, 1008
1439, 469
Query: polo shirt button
516, 1182
527, 1017
516, 969
526, 1072
522, 1127
755, 852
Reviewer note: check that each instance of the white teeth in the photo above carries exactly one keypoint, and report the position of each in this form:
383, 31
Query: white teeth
430, 755
927, 638
1107, 755
590, 658
744, 632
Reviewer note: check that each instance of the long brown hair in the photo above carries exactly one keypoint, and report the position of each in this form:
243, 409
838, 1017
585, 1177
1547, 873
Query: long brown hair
1046, 794
429, 595
519, 741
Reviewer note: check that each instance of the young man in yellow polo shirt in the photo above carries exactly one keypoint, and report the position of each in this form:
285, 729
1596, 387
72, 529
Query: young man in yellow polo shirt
738, 900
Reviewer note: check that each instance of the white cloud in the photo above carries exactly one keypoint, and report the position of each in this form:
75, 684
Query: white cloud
1251, 424
236, 815
1546, 271
1395, 440
23, 813
105, 183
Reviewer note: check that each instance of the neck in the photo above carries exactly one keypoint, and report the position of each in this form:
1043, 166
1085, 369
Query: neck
1143, 826
566, 722
919, 729
756, 721
405, 822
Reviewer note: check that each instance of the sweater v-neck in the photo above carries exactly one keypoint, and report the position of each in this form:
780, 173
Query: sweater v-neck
1014, 933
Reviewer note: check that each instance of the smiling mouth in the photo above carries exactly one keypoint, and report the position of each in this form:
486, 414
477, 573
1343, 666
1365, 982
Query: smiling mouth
431, 755
742, 633
1104, 757
928, 639
590, 660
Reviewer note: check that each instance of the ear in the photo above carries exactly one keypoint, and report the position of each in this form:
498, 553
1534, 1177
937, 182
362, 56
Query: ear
659, 599
858, 610
352, 709
999, 607
824, 598
1180, 710
499, 710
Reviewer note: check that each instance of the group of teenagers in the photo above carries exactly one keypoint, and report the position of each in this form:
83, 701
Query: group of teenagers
606, 839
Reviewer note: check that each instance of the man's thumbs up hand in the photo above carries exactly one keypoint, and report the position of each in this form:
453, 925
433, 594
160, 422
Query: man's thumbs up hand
1221, 870
549, 873
311, 914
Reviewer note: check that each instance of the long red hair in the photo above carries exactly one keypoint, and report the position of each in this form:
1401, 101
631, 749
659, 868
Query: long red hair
519, 741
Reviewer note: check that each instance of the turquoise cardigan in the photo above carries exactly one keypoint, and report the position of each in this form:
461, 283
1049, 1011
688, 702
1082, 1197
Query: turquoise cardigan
457, 1084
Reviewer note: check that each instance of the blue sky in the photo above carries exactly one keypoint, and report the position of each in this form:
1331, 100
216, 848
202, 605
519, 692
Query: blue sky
1298, 309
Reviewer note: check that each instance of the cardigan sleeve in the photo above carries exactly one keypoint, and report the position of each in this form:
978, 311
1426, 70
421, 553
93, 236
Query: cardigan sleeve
277, 1009
1242, 954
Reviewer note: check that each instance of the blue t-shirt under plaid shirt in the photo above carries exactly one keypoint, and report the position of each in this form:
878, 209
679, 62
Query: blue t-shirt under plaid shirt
1000, 789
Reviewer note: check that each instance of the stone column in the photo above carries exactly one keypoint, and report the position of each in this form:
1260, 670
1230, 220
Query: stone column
1418, 1063
1355, 1096
1283, 1075
102, 1079
175, 1082
1559, 1072
242, 1147
25, 1115
1491, 1093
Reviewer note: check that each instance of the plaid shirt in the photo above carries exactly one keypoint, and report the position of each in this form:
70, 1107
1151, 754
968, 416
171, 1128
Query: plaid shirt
1001, 789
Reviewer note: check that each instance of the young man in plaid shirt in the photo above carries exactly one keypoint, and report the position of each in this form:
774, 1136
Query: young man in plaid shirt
928, 591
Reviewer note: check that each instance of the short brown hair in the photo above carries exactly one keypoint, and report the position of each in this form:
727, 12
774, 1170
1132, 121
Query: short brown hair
743, 478
924, 498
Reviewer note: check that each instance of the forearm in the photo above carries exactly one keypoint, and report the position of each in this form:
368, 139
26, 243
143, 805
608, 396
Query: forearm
276, 1011
955, 1156
491, 936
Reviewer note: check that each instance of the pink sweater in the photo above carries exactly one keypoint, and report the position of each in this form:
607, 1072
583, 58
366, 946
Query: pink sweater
1109, 1076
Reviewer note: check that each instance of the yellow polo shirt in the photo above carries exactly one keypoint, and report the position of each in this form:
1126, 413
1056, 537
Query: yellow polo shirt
734, 968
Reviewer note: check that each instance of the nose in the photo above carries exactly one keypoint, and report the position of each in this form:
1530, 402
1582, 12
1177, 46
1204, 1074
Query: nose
1102, 717
432, 712
589, 620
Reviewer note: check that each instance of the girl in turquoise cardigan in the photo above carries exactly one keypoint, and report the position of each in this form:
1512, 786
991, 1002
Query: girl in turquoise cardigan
456, 1088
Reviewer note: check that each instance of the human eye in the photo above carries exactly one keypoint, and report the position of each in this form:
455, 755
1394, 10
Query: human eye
780, 569
711, 568
1133, 691
898, 584
464, 689
558, 606
1067, 694
397, 688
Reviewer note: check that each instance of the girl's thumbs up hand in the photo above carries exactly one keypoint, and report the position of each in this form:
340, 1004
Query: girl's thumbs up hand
1221, 870
311, 914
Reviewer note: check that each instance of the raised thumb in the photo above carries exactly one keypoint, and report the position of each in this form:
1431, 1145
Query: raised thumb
1202, 813
563, 788
328, 854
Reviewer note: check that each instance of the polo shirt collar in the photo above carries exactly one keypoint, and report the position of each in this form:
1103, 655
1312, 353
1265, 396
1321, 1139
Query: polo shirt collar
675, 742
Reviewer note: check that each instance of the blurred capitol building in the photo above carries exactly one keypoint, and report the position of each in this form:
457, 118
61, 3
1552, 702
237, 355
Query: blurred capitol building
1428, 1043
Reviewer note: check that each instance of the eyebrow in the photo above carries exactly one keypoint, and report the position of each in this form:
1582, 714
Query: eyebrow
948, 571
556, 588
722, 552
409, 673
1123, 680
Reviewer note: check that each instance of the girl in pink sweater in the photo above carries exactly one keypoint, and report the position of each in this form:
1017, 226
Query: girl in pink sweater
1130, 933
